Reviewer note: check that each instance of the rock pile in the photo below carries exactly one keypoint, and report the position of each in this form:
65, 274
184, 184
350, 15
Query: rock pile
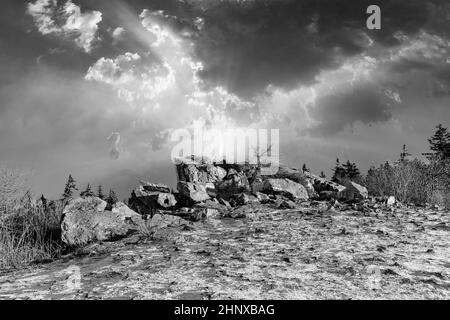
205, 189
202, 182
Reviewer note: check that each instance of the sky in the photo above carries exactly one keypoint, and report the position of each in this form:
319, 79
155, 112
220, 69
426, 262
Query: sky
96, 88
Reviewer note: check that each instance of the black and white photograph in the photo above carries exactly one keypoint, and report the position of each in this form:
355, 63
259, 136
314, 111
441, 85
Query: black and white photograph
224, 150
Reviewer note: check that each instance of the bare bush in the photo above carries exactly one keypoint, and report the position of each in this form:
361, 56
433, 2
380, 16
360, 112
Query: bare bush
411, 181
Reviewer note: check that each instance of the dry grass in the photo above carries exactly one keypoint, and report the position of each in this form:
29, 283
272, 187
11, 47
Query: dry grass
29, 230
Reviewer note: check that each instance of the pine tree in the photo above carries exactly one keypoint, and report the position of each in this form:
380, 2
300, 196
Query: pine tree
304, 168
440, 143
351, 171
69, 189
322, 175
100, 193
112, 198
404, 154
87, 193
338, 172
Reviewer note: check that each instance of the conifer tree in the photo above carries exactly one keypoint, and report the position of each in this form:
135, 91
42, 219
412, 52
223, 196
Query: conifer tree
404, 154
351, 171
440, 143
338, 172
100, 193
322, 175
87, 193
69, 189
112, 198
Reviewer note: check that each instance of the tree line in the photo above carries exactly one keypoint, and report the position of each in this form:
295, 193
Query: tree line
409, 179
71, 188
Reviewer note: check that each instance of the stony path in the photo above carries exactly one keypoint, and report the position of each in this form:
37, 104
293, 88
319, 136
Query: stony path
306, 253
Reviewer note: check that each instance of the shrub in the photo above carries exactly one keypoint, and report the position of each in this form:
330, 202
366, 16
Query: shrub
411, 181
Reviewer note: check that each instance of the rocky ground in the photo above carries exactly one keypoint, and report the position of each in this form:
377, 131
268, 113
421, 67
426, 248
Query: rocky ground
314, 251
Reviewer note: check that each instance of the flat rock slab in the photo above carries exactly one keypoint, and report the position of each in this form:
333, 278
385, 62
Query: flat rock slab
302, 253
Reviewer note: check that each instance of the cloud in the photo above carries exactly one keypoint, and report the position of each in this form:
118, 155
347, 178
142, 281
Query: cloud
427, 54
133, 77
313, 75
334, 112
118, 34
162, 82
66, 21
247, 46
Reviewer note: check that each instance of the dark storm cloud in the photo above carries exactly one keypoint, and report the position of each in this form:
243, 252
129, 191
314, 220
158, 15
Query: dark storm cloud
335, 112
247, 46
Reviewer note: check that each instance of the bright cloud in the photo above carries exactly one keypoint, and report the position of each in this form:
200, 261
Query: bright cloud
132, 76
66, 21
164, 80
118, 34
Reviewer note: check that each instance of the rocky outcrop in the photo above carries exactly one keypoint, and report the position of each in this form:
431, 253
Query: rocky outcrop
287, 188
353, 191
295, 175
199, 171
86, 220
193, 192
205, 190
323, 185
148, 198
234, 183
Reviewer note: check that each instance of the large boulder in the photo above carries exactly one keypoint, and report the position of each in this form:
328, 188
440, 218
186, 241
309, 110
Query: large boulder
164, 200
286, 187
215, 173
199, 171
322, 184
193, 192
353, 191
235, 183
295, 175
147, 202
86, 220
